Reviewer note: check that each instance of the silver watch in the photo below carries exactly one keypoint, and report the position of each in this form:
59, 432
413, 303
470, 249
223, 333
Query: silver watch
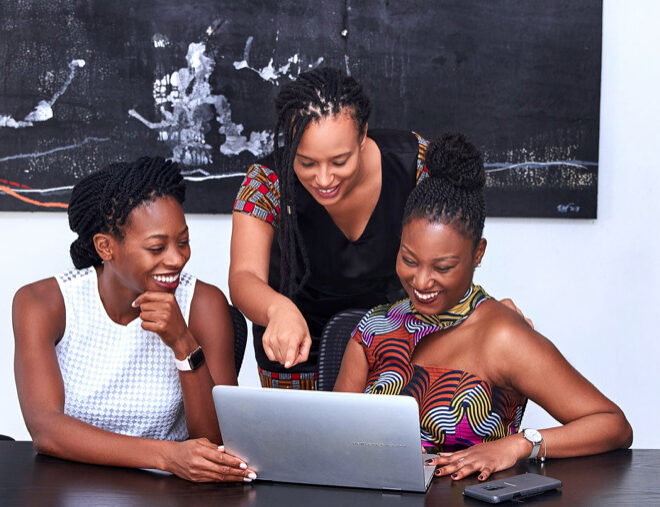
535, 437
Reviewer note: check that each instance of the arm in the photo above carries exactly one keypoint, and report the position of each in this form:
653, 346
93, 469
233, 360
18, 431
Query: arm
39, 321
211, 328
523, 361
354, 369
286, 338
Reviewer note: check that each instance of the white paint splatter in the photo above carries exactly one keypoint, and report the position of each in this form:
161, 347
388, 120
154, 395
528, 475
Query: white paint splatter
44, 108
271, 72
38, 154
160, 40
187, 105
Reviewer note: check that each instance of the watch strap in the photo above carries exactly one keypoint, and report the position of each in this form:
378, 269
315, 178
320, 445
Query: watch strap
193, 361
536, 445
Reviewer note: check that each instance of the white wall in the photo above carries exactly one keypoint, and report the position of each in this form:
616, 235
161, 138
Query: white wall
588, 285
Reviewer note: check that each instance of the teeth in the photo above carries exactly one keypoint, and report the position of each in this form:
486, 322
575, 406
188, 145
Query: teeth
425, 297
166, 279
327, 191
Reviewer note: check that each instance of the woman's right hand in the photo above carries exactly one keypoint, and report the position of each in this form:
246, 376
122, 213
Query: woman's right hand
286, 339
200, 460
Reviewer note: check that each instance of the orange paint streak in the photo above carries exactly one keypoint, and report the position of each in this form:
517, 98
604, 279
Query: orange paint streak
9, 191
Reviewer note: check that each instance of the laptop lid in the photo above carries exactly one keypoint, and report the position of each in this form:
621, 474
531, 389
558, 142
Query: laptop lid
313, 437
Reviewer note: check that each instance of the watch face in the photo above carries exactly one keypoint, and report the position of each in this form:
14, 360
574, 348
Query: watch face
533, 436
197, 358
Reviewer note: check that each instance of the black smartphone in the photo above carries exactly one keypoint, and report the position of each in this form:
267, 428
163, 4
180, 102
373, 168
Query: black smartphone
518, 486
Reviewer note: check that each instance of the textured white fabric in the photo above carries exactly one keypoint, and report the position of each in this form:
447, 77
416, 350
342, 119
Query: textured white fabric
118, 378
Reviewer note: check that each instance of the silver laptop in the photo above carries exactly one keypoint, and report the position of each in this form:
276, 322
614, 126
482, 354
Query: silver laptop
332, 439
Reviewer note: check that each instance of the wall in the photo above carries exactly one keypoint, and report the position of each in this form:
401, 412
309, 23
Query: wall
588, 285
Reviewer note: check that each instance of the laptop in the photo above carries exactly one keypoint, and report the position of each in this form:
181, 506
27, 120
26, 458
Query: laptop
325, 438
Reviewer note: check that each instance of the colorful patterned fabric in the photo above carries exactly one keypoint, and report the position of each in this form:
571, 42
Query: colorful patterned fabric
456, 409
259, 194
304, 381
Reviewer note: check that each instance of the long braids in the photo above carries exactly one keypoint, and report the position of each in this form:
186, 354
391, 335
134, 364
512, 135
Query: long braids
102, 201
453, 193
316, 94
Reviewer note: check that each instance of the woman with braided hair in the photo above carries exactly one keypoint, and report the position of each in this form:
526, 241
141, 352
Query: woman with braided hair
470, 362
334, 193
115, 359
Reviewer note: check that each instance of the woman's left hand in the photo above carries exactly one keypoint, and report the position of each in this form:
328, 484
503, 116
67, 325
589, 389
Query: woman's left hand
485, 458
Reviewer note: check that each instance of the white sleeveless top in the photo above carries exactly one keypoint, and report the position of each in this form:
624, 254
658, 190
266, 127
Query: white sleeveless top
118, 378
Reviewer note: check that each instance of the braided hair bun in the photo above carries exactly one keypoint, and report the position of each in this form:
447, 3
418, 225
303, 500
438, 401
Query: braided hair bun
453, 193
457, 161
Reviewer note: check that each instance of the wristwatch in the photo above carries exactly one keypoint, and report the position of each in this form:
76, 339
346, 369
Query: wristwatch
194, 360
535, 438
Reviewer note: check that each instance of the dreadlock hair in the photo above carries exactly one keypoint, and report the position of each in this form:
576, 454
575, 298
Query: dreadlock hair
102, 201
316, 94
453, 193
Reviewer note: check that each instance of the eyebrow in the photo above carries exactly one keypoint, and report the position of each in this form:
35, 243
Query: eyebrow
336, 156
164, 236
445, 258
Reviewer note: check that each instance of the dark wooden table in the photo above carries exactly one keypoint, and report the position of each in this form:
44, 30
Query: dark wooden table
26, 479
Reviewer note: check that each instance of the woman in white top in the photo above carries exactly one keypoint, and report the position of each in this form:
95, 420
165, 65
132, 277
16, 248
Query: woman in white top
115, 360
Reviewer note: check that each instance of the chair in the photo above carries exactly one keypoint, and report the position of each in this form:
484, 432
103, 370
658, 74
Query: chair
240, 336
334, 339
5, 437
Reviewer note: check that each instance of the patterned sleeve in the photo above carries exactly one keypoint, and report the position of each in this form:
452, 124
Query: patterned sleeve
422, 172
259, 195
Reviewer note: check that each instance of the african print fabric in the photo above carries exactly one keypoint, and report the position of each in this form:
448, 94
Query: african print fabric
456, 409
302, 381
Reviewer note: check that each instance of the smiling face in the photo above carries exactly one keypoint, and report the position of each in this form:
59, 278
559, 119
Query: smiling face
154, 249
327, 161
435, 264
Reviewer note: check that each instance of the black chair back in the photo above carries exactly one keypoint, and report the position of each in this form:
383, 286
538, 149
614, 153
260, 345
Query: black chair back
334, 339
240, 336
5, 437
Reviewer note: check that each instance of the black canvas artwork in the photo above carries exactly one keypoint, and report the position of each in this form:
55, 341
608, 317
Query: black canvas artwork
88, 83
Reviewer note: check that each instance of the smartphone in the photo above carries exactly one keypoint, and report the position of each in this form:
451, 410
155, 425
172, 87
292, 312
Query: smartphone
518, 486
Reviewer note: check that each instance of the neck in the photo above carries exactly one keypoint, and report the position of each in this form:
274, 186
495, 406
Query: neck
116, 297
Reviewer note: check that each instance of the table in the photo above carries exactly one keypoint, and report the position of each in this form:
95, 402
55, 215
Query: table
630, 477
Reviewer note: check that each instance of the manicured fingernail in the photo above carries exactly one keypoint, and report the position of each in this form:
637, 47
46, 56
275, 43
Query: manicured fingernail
252, 475
438, 471
221, 448
429, 461
481, 477
454, 476
444, 454
133, 303
287, 364
247, 479
243, 466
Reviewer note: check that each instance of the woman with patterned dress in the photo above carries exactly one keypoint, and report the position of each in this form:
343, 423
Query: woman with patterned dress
470, 362
316, 224
115, 360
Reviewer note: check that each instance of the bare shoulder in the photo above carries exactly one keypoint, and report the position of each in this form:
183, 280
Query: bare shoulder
208, 297
503, 330
39, 306
44, 294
